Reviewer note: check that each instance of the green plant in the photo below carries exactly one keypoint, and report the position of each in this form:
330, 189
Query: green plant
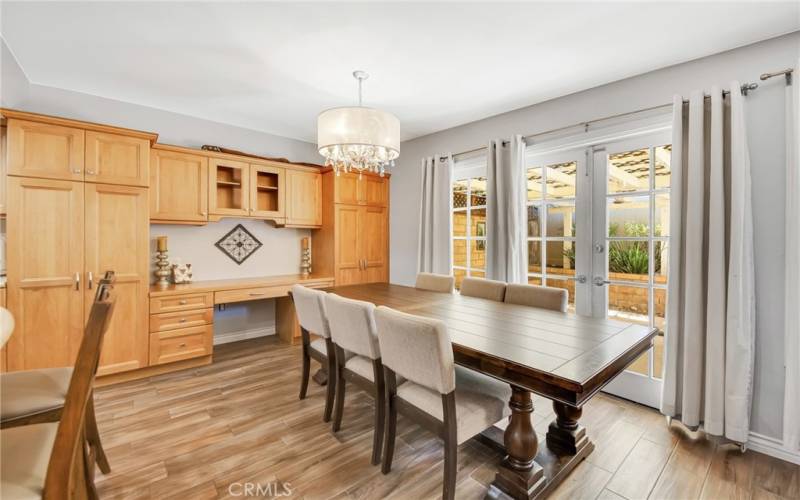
627, 257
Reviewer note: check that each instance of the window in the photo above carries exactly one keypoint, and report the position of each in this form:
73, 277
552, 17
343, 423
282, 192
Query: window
469, 227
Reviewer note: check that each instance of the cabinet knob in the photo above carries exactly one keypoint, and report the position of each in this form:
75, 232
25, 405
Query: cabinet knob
76, 171
182, 320
90, 172
182, 344
182, 302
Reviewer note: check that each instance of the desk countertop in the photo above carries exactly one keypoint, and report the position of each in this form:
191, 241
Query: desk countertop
237, 284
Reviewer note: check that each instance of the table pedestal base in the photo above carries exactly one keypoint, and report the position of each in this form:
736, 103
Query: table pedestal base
566, 446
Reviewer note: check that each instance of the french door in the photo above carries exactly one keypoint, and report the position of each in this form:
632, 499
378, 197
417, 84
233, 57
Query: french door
598, 226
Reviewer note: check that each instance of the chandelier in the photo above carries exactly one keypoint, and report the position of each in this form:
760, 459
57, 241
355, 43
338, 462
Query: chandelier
356, 138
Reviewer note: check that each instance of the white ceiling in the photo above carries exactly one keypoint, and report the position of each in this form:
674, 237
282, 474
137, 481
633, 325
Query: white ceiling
274, 66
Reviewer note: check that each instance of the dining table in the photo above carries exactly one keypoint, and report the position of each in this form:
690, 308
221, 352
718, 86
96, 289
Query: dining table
560, 356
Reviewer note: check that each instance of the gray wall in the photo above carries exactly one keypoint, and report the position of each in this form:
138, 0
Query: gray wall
280, 253
765, 120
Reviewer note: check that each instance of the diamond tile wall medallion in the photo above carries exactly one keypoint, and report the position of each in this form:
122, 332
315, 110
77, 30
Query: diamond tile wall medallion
238, 244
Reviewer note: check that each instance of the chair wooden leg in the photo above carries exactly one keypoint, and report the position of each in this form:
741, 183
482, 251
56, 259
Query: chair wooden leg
338, 408
330, 389
93, 437
306, 373
450, 446
380, 411
391, 424
87, 466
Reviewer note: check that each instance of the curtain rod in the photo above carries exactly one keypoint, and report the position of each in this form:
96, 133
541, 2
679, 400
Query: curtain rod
745, 89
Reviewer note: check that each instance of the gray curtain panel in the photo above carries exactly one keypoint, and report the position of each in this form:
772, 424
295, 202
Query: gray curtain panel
708, 371
435, 218
506, 237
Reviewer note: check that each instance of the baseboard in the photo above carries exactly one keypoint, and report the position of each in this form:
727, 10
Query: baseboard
772, 447
235, 336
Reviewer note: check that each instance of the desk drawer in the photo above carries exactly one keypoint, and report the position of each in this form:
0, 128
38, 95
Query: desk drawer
243, 294
186, 302
184, 343
181, 319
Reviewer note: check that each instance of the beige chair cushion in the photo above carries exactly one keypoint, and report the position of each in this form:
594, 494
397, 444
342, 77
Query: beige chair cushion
310, 307
537, 296
435, 282
416, 348
24, 456
361, 366
33, 391
319, 346
481, 401
6, 325
484, 289
352, 325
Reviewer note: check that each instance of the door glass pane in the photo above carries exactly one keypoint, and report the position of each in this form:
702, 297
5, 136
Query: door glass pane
478, 222
561, 180
478, 194
628, 261
628, 303
663, 171
534, 280
661, 215
658, 356
534, 257
534, 224
629, 171
661, 262
460, 194
460, 253
477, 274
561, 219
560, 258
459, 275
477, 254
642, 364
629, 216
535, 183
460, 223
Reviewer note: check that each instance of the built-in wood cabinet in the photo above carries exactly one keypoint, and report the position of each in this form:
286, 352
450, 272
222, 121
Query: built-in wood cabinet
45, 150
229, 192
305, 198
117, 234
353, 243
267, 192
45, 266
3, 350
117, 159
3, 168
178, 187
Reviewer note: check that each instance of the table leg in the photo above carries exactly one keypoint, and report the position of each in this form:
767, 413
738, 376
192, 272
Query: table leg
564, 433
519, 475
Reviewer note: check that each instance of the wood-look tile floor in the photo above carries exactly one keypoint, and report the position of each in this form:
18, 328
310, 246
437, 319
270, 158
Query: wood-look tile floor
205, 432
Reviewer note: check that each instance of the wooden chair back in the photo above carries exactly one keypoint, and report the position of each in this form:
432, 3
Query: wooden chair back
67, 469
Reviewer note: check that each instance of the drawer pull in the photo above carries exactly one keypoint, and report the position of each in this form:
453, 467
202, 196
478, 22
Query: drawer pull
256, 294
182, 320
182, 344
182, 302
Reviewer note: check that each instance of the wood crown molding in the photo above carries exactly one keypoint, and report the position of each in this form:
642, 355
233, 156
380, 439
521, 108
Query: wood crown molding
227, 156
66, 122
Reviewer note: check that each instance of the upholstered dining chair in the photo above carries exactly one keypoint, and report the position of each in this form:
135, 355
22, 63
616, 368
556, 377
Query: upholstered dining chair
49, 460
435, 282
309, 305
453, 402
483, 288
352, 324
544, 297
37, 396
6, 325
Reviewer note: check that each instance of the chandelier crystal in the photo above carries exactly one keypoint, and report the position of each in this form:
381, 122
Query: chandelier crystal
357, 138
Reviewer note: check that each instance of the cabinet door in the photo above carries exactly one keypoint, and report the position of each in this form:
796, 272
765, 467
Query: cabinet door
348, 247
228, 182
117, 234
303, 198
347, 188
117, 159
45, 272
375, 191
374, 237
44, 150
178, 187
267, 192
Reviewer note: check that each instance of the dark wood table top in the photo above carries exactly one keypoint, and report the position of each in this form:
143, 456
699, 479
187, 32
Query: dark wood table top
561, 356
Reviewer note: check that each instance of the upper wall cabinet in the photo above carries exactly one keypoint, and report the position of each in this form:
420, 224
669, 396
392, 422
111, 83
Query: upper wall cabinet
304, 192
365, 189
178, 188
267, 192
45, 150
117, 159
229, 194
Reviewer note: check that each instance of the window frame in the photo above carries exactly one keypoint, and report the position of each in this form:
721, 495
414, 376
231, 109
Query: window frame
468, 170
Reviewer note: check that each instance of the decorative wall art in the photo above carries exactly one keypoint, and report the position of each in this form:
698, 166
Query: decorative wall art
238, 244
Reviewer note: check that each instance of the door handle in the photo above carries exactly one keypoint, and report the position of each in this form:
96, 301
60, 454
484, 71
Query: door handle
599, 281
77, 281
90, 280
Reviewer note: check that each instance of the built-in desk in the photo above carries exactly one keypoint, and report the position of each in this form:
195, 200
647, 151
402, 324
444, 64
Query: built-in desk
182, 318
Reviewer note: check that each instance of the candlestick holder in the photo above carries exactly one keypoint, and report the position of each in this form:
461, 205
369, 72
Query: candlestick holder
162, 269
305, 262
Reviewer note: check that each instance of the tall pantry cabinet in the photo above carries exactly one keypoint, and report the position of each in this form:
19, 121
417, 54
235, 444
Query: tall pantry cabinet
353, 244
77, 205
